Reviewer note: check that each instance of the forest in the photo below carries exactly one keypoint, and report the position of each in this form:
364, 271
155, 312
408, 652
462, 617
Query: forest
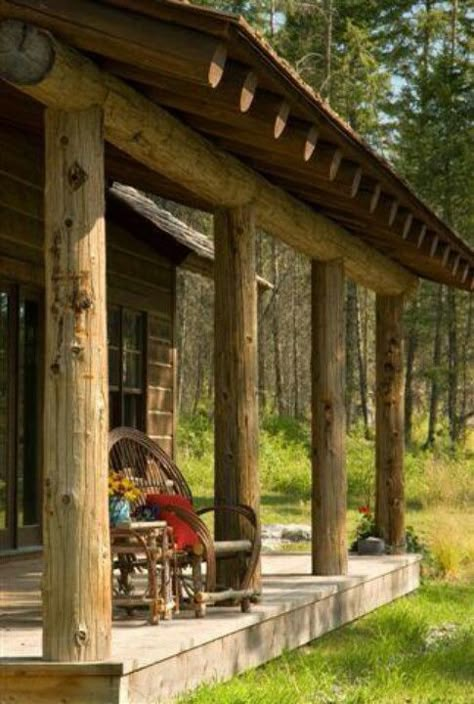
401, 74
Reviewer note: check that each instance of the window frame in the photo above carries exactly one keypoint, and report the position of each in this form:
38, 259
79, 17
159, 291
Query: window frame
122, 390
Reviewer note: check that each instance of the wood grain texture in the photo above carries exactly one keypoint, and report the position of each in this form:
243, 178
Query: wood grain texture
389, 423
179, 52
158, 140
235, 355
329, 498
76, 583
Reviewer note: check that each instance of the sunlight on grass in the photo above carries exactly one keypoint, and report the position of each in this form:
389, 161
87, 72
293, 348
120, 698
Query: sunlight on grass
398, 654
418, 650
439, 486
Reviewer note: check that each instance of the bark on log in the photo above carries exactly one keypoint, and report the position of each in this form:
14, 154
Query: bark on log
155, 138
76, 581
389, 422
235, 355
329, 503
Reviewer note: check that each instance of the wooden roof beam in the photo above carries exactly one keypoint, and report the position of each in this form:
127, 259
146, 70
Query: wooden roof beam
69, 81
235, 91
465, 273
421, 236
180, 52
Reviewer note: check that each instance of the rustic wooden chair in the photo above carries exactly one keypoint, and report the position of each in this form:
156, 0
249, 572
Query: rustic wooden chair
154, 472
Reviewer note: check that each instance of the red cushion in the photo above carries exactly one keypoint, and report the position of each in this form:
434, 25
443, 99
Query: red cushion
184, 535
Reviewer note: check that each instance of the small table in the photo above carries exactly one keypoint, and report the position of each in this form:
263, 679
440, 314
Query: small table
147, 545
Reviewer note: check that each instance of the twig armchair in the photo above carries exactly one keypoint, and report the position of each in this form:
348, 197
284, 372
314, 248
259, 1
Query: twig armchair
154, 472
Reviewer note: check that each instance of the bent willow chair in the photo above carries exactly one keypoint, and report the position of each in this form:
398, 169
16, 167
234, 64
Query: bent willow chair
198, 556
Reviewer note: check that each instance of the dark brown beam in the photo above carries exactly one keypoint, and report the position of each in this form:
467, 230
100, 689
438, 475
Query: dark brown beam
177, 51
236, 89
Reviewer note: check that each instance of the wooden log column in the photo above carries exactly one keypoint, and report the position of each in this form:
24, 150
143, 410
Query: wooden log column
235, 358
389, 423
329, 500
76, 581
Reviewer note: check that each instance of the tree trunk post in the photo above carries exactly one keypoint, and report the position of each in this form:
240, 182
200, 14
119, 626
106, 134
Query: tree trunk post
389, 441
329, 548
236, 410
76, 582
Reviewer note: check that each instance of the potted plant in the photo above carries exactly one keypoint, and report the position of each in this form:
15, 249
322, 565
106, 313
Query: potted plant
367, 541
122, 492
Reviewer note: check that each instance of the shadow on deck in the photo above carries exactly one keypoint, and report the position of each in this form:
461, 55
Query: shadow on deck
152, 664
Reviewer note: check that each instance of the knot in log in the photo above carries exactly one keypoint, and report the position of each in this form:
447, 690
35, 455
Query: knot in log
76, 176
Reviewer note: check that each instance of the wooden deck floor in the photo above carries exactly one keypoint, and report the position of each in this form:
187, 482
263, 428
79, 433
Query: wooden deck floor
153, 664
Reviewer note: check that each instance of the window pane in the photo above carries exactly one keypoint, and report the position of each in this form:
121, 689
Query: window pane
133, 411
3, 406
114, 366
132, 371
132, 330
113, 326
115, 418
28, 380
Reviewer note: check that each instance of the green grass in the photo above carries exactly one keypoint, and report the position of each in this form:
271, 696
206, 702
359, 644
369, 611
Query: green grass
431, 478
382, 658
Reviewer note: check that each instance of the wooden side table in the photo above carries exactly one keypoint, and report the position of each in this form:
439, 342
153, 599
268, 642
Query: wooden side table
143, 545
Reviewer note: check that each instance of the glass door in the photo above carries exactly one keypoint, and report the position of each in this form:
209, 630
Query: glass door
20, 422
7, 513
29, 421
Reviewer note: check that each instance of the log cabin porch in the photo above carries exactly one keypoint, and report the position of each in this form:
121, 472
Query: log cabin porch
189, 104
178, 655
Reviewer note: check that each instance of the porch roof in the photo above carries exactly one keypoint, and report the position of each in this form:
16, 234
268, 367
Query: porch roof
217, 75
182, 244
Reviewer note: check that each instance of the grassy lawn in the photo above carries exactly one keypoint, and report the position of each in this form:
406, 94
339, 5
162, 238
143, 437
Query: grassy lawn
418, 650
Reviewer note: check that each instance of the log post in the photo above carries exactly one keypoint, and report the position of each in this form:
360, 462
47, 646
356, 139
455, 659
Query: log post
76, 581
235, 359
329, 496
389, 423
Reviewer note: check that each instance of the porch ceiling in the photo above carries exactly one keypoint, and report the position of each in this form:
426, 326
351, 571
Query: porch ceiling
214, 73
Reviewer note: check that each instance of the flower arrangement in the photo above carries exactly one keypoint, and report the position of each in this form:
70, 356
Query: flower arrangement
123, 488
366, 526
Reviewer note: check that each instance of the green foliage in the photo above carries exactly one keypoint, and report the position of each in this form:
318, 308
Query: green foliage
432, 477
418, 650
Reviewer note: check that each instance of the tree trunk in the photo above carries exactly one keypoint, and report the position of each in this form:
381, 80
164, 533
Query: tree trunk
467, 370
351, 350
362, 361
389, 506
453, 366
182, 341
76, 582
294, 338
279, 397
412, 344
435, 385
199, 356
329, 505
235, 358
262, 389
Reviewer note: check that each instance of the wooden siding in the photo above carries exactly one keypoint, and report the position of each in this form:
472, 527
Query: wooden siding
137, 277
